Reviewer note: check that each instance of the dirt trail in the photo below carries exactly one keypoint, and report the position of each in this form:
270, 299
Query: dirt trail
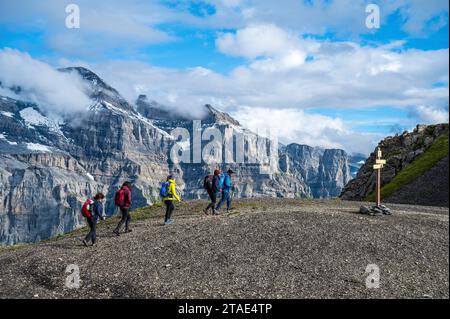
265, 248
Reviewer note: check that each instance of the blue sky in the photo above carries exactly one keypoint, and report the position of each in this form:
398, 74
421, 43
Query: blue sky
314, 60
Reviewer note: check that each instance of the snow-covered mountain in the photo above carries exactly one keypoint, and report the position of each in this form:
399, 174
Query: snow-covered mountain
50, 164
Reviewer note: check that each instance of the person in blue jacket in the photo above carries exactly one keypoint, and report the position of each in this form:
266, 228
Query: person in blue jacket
226, 191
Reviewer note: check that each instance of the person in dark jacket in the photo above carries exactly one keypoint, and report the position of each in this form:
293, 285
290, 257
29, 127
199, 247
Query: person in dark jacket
96, 214
215, 189
124, 209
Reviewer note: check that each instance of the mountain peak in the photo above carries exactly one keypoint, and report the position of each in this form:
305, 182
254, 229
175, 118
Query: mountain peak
90, 77
156, 111
217, 116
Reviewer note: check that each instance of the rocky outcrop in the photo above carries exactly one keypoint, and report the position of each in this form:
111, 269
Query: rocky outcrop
50, 165
399, 151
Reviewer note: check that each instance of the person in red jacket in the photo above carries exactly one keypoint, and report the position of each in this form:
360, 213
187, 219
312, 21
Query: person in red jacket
123, 200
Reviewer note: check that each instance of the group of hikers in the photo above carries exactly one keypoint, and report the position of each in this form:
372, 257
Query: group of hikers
215, 184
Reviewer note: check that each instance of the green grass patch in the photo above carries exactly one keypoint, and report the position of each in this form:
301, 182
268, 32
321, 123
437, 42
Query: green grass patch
145, 212
436, 152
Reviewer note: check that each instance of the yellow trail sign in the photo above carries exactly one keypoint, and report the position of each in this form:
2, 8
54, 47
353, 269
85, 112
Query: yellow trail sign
380, 161
377, 166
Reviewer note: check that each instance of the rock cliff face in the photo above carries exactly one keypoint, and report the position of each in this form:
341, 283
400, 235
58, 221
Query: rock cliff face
399, 151
324, 172
49, 165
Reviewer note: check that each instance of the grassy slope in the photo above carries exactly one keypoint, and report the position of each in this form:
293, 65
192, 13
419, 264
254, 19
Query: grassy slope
437, 151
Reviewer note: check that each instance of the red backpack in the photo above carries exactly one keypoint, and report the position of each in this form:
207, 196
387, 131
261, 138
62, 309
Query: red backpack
119, 198
86, 208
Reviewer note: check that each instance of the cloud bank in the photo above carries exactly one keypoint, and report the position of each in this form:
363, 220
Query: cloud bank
53, 91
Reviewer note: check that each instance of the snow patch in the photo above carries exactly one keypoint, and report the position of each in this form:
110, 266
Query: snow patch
132, 115
3, 137
34, 118
361, 162
38, 147
90, 176
8, 114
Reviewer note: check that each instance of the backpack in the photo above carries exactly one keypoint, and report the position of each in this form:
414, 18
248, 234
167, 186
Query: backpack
164, 191
207, 182
86, 208
222, 181
119, 198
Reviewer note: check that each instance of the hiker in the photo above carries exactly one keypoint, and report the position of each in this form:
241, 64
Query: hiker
226, 187
122, 199
211, 185
169, 193
93, 211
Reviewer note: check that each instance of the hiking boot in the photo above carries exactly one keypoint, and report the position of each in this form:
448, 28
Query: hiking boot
85, 242
205, 211
116, 232
128, 230
169, 222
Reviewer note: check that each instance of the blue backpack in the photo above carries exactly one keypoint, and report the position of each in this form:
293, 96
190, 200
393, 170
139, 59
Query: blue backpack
164, 191
222, 181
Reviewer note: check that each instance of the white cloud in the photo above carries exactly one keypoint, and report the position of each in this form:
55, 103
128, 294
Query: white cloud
281, 49
54, 91
429, 115
298, 126
257, 40
422, 16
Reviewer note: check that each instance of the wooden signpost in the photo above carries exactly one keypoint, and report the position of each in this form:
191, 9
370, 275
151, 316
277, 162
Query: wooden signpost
379, 163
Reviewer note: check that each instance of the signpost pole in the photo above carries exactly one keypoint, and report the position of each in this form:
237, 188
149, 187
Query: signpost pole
379, 163
378, 187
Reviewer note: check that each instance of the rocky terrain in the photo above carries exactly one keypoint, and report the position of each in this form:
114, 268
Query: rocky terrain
49, 165
265, 248
401, 151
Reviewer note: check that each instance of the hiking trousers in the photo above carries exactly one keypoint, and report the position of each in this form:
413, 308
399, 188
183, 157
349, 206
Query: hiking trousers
169, 210
92, 235
213, 198
126, 218
226, 197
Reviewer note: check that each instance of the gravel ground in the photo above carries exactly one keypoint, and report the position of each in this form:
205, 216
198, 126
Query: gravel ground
271, 248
